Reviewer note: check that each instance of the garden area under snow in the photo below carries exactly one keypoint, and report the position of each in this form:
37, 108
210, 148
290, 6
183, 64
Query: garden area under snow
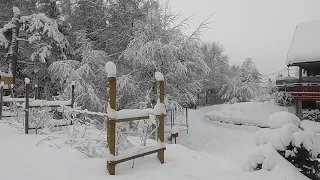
211, 149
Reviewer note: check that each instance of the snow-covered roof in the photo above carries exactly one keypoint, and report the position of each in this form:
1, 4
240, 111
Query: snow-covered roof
305, 45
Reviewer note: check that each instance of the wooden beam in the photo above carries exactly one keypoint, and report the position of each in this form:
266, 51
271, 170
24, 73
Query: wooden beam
26, 117
305, 93
300, 74
1, 100
133, 119
111, 127
161, 121
137, 156
53, 106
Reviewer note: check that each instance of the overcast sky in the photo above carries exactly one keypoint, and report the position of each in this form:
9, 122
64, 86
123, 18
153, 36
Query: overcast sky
261, 29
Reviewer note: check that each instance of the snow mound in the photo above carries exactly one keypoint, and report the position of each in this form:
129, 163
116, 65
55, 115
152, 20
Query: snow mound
278, 119
310, 126
249, 113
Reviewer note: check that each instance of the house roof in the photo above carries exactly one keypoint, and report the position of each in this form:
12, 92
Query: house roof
305, 45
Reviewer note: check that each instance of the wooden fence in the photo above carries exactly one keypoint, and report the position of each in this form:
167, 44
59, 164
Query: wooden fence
43, 103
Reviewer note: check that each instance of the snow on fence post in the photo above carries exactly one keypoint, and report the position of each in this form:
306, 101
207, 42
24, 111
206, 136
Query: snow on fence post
1, 98
72, 93
26, 119
111, 127
160, 81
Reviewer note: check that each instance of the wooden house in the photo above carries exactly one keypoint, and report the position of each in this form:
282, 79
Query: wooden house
304, 53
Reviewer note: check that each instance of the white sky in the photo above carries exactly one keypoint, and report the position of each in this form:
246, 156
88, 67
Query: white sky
261, 29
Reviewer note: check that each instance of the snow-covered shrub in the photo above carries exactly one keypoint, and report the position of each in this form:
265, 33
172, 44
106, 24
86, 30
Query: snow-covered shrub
283, 98
312, 115
299, 147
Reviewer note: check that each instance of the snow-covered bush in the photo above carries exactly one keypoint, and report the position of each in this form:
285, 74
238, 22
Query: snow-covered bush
312, 115
283, 98
285, 136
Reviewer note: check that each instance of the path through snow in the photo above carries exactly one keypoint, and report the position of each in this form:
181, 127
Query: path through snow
233, 142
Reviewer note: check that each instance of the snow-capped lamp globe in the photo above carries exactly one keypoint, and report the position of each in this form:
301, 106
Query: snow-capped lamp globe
111, 69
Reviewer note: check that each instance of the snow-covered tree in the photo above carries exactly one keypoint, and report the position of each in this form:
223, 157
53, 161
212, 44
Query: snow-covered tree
88, 74
249, 72
159, 45
218, 63
243, 83
39, 31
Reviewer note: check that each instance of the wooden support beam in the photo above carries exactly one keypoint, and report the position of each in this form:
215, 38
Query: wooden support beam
299, 109
72, 94
161, 121
1, 99
300, 74
134, 119
111, 124
26, 117
53, 106
137, 156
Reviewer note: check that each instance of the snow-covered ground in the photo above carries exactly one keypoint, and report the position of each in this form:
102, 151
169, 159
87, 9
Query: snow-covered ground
211, 150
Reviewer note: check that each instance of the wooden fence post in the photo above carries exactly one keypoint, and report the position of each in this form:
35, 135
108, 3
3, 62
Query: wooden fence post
161, 121
111, 126
72, 94
187, 121
26, 117
36, 91
1, 98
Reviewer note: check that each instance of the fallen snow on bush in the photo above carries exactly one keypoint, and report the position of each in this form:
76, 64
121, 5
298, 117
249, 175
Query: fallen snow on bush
284, 136
267, 158
249, 113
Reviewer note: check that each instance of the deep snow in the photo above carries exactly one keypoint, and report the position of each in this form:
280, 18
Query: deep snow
218, 151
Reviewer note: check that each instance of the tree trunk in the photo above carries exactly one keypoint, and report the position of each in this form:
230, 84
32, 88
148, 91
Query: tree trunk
13, 52
5, 16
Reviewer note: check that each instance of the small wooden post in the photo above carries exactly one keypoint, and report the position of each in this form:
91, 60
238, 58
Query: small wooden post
111, 127
161, 121
299, 108
1, 98
72, 94
36, 91
26, 118
300, 74
187, 121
